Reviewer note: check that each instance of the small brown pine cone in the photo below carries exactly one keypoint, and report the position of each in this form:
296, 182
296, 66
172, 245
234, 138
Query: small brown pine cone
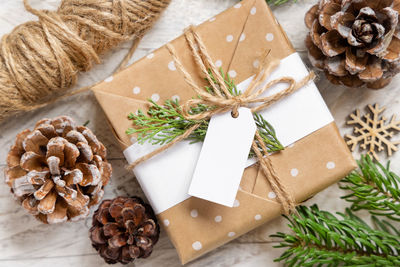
58, 170
355, 42
124, 229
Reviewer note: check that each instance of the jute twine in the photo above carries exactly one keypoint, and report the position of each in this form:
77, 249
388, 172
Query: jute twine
40, 60
223, 101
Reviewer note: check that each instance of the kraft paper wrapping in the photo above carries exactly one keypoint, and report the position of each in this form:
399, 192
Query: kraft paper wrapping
235, 40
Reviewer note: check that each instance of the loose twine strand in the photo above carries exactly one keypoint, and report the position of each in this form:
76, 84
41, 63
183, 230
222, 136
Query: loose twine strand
223, 101
40, 60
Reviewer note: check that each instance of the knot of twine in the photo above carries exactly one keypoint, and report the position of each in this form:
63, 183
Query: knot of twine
39, 60
221, 100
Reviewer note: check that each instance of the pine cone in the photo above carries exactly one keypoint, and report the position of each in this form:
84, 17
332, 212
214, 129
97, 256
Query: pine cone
124, 229
356, 42
58, 170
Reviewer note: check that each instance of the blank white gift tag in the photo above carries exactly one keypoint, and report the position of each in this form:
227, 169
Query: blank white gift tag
223, 157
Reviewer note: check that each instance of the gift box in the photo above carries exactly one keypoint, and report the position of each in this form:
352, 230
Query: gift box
315, 155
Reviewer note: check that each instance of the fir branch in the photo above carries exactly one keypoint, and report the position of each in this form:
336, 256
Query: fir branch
321, 239
279, 2
374, 188
162, 124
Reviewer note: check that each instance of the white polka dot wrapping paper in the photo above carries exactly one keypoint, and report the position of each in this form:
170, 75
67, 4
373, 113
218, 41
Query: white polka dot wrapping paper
313, 159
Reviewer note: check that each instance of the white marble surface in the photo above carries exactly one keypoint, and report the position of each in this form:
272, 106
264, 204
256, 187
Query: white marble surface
26, 242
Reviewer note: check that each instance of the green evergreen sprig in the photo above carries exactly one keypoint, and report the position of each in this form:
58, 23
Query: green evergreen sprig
385, 226
279, 2
161, 124
267, 133
373, 188
321, 239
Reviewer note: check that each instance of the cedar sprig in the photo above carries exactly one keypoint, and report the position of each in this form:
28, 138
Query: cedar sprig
163, 123
374, 188
268, 134
279, 2
321, 239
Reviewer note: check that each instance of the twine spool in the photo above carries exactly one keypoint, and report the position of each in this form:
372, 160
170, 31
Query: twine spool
40, 60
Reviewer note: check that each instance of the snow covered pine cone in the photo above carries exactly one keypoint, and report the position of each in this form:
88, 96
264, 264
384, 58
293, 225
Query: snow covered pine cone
356, 42
124, 229
58, 170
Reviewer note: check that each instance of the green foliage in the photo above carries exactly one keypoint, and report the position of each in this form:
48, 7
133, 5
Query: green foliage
374, 188
162, 124
321, 239
230, 84
279, 2
386, 226
268, 134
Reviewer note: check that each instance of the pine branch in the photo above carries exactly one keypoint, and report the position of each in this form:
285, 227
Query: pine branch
321, 239
374, 188
162, 124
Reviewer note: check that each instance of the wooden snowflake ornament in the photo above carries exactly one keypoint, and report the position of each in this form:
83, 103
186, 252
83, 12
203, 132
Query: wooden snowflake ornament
372, 133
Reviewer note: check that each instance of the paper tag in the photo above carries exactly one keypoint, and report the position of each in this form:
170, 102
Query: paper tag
223, 157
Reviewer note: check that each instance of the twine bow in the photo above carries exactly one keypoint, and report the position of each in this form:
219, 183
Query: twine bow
223, 101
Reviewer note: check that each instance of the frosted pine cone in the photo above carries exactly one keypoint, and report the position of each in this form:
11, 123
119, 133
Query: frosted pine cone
124, 229
356, 42
58, 170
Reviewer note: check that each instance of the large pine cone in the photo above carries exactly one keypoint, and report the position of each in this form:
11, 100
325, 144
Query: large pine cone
58, 170
356, 42
124, 229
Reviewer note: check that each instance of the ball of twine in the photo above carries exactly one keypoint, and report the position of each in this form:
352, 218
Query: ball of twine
40, 60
